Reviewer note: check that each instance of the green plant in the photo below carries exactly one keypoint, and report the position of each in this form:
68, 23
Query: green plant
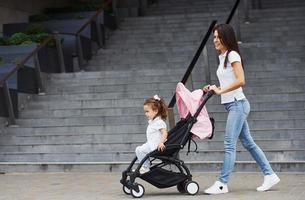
35, 29
39, 38
19, 38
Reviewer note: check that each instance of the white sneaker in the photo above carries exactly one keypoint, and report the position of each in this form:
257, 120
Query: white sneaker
269, 181
144, 170
217, 188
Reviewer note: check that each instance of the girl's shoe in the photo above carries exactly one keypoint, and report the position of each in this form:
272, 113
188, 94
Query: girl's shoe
217, 188
269, 181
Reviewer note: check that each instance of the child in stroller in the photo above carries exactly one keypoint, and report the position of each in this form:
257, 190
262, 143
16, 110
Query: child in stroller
167, 169
156, 111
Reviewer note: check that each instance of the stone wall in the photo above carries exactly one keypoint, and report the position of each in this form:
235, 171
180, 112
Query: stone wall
18, 10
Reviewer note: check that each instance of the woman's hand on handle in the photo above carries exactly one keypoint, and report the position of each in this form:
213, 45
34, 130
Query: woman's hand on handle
216, 89
206, 88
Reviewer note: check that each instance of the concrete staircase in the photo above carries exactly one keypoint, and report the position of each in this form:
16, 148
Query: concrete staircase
93, 120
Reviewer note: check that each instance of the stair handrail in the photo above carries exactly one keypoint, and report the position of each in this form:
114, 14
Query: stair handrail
195, 58
232, 13
33, 54
49, 39
83, 27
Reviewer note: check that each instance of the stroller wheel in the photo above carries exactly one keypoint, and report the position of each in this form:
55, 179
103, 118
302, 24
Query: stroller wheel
139, 194
191, 187
126, 190
181, 187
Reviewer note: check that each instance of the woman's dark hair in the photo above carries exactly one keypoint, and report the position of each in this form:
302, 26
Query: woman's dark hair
227, 37
157, 105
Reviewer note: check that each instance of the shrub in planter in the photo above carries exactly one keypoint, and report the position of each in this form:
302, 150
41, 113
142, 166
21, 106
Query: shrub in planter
35, 33
20, 38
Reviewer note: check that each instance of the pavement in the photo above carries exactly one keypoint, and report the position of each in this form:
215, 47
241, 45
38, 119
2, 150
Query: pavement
106, 186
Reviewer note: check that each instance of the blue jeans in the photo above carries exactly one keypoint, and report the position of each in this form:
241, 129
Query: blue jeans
237, 127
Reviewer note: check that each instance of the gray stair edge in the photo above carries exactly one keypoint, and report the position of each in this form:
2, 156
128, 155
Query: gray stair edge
194, 166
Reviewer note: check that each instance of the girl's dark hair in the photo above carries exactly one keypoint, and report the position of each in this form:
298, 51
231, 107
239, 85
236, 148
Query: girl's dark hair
158, 105
227, 37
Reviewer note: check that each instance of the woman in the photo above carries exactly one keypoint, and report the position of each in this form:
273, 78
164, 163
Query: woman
231, 77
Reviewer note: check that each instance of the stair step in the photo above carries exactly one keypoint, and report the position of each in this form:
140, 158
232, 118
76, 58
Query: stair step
273, 155
138, 131
194, 166
138, 112
104, 143
104, 121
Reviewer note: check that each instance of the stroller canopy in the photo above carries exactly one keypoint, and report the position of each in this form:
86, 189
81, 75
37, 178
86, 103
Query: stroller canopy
188, 103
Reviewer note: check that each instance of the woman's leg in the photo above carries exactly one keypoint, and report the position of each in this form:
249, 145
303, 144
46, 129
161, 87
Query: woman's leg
256, 152
235, 121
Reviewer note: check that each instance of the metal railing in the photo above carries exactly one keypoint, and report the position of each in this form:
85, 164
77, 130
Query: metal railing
4, 84
34, 55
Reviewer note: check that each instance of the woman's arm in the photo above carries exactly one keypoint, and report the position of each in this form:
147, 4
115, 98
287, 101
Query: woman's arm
164, 134
240, 80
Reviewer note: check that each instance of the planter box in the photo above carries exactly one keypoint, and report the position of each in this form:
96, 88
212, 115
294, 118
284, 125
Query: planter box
15, 53
86, 15
10, 29
110, 21
12, 84
128, 8
3, 106
48, 56
72, 26
24, 80
48, 59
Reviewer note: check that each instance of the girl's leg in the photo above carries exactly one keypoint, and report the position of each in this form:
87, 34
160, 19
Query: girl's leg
141, 152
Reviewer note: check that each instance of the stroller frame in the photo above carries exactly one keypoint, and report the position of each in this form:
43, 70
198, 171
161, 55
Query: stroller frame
158, 176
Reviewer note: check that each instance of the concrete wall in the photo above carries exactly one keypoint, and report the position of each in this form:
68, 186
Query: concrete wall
19, 10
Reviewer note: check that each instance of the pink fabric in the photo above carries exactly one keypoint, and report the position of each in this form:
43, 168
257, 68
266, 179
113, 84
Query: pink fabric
188, 102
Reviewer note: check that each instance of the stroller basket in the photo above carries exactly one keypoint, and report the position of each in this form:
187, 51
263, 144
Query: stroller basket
162, 178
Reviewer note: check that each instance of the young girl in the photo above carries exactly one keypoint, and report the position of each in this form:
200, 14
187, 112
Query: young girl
155, 110
231, 77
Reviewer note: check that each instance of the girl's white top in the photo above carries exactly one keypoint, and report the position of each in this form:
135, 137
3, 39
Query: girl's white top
153, 133
226, 77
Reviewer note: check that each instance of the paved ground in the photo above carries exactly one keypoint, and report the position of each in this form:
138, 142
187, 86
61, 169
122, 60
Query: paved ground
106, 186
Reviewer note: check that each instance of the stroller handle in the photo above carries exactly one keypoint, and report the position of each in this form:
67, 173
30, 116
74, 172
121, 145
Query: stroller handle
206, 96
210, 93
